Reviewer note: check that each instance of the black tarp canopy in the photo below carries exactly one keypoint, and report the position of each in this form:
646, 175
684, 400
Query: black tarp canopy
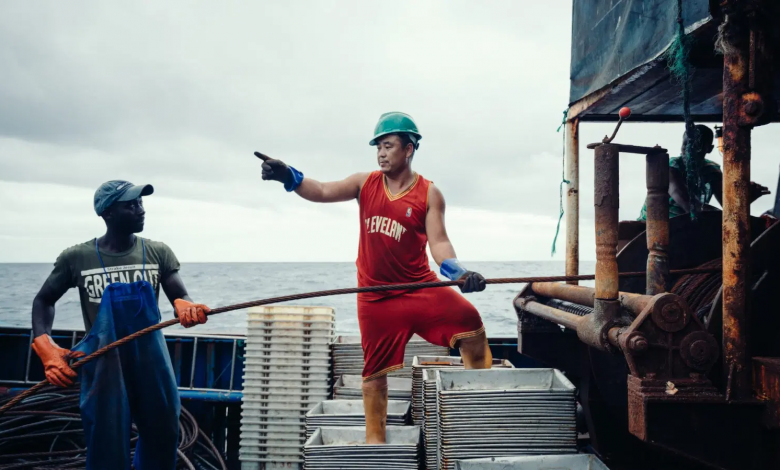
618, 59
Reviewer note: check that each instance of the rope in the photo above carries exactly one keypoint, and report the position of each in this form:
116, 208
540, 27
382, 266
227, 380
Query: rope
700, 290
327, 293
30, 439
563, 180
679, 68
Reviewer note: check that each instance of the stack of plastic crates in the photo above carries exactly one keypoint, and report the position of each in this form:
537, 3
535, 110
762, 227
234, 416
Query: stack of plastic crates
287, 372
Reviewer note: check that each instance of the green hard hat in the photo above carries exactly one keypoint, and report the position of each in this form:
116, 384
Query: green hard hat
396, 122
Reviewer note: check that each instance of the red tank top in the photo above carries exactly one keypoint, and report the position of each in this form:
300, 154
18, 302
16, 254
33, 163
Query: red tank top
393, 240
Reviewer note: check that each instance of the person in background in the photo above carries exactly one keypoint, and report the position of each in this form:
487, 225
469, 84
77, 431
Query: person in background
709, 171
118, 277
400, 213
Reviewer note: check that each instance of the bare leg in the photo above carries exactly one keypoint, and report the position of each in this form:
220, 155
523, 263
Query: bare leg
375, 406
475, 352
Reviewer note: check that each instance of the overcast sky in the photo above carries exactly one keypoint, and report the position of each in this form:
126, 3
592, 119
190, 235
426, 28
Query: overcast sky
179, 94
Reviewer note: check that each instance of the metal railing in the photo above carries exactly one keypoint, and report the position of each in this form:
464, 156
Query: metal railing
200, 384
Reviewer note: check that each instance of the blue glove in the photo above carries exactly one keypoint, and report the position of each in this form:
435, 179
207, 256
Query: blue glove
295, 180
453, 270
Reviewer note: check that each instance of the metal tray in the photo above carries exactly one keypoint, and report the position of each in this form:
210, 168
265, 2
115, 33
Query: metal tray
335, 408
501, 380
355, 436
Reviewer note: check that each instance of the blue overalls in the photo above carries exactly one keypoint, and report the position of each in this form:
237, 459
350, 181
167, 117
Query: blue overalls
133, 383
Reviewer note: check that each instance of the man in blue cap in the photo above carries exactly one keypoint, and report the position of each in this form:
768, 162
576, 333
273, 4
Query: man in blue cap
118, 277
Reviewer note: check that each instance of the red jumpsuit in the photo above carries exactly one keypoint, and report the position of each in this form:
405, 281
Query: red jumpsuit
392, 250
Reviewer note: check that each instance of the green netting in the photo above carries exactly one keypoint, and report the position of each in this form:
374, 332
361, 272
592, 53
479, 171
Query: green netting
679, 68
563, 181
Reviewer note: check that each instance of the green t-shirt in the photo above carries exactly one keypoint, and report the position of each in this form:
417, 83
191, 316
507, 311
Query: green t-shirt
710, 171
79, 266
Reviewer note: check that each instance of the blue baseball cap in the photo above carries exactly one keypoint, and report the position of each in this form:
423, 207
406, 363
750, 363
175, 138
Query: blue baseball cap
118, 190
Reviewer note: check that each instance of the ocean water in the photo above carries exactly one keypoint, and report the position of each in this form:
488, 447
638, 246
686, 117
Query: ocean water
221, 284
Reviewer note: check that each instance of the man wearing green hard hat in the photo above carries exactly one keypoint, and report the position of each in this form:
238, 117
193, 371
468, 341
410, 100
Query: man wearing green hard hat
400, 212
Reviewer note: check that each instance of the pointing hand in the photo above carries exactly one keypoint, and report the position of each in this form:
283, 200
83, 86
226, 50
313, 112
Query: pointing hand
275, 170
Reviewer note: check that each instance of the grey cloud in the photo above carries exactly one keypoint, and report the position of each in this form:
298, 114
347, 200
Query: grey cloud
181, 93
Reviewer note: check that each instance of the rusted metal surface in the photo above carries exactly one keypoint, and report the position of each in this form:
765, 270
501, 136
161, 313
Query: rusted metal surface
573, 198
688, 417
624, 148
569, 320
746, 87
736, 235
594, 331
766, 384
613, 336
666, 341
692, 243
634, 303
582, 105
657, 234
643, 389
606, 203
577, 294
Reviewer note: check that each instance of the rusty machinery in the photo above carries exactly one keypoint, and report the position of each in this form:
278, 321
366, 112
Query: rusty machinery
644, 358
681, 367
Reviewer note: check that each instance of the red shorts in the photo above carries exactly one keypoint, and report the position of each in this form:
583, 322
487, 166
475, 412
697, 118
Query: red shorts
440, 316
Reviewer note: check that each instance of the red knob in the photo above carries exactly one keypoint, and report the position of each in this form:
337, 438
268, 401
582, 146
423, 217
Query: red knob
624, 112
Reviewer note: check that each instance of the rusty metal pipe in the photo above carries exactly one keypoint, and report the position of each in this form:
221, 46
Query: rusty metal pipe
614, 336
736, 205
657, 175
606, 204
580, 324
556, 290
569, 320
573, 199
634, 303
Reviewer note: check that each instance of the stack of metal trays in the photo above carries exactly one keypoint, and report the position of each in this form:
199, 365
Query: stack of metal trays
437, 362
332, 448
536, 462
504, 412
351, 413
430, 428
286, 373
350, 387
348, 355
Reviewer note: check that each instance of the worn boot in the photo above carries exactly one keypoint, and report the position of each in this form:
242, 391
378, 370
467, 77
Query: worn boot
375, 405
476, 353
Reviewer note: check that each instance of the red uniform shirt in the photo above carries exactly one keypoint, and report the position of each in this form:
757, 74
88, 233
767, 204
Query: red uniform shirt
393, 240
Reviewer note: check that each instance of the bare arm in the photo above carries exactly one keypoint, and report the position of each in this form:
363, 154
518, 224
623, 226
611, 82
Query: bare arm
439, 242
441, 247
188, 312
43, 309
678, 190
173, 286
310, 189
333, 191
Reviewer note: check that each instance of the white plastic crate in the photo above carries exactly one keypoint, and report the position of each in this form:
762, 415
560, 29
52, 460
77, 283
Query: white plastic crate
287, 372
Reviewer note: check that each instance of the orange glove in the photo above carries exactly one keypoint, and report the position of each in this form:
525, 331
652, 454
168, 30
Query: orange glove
190, 314
55, 361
